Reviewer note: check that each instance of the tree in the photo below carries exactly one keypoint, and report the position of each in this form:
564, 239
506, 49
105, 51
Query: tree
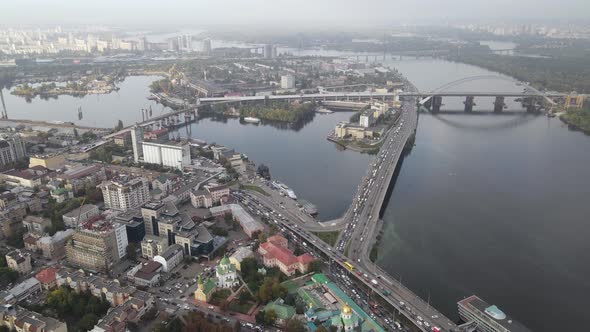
269, 317
321, 328
316, 266
223, 305
131, 251
7, 276
87, 322
259, 317
244, 297
294, 325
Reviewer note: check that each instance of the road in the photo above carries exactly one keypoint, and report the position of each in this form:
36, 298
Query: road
361, 225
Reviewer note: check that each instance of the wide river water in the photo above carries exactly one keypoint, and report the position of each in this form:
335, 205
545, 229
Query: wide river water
493, 205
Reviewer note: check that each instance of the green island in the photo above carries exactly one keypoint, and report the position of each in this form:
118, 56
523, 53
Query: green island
79, 88
280, 111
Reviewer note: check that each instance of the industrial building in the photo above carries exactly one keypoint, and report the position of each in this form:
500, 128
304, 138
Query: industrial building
170, 154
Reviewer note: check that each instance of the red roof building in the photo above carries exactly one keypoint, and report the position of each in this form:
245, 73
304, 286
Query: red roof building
275, 252
47, 278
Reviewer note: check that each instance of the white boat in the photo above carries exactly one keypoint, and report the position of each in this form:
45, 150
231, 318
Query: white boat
251, 119
281, 187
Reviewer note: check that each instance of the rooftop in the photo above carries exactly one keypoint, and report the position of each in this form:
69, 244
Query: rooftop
480, 307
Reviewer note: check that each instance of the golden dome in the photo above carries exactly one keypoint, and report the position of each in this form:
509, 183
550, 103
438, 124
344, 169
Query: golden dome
346, 309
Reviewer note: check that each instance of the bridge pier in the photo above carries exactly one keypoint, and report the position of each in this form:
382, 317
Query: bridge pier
436, 103
529, 104
499, 104
469, 103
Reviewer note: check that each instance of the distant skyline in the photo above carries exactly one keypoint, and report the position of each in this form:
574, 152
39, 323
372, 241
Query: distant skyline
286, 14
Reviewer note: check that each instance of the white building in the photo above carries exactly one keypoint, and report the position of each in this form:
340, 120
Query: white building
170, 258
287, 81
124, 193
136, 140
12, 148
121, 236
366, 119
170, 154
226, 274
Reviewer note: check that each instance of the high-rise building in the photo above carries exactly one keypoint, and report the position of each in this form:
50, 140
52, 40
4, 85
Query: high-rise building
136, 140
12, 148
97, 244
268, 51
206, 46
287, 81
124, 193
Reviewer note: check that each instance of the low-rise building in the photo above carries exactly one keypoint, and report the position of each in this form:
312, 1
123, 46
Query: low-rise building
80, 214
25, 289
49, 161
170, 258
145, 274
19, 261
30, 178
226, 274
489, 318
153, 246
209, 196
19, 319
275, 252
205, 289
238, 256
249, 224
79, 177
35, 224
54, 246
47, 278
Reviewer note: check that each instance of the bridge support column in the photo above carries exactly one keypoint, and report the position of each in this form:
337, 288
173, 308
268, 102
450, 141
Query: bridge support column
529, 104
469, 103
436, 104
499, 104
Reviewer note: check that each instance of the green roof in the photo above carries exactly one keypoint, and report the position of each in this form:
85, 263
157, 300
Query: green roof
283, 311
319, 278
209, 286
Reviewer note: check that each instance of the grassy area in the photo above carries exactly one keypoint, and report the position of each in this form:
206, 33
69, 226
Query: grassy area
346, 247
254, 188
241, 308
579, 119
219, 296
374, 253
328, 237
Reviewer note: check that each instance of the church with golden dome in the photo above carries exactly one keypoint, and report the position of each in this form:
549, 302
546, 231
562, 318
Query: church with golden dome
347, 320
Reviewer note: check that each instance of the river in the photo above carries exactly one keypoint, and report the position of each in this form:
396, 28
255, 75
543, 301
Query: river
493, 205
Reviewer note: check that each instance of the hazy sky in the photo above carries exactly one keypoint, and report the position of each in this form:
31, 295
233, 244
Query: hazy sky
291, 12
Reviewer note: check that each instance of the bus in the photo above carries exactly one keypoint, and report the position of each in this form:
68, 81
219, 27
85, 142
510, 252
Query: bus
349, 266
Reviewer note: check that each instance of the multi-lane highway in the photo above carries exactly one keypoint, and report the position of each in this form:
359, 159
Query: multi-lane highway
360, 225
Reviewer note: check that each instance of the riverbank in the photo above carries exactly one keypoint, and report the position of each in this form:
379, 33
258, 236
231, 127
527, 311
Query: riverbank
577, 119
